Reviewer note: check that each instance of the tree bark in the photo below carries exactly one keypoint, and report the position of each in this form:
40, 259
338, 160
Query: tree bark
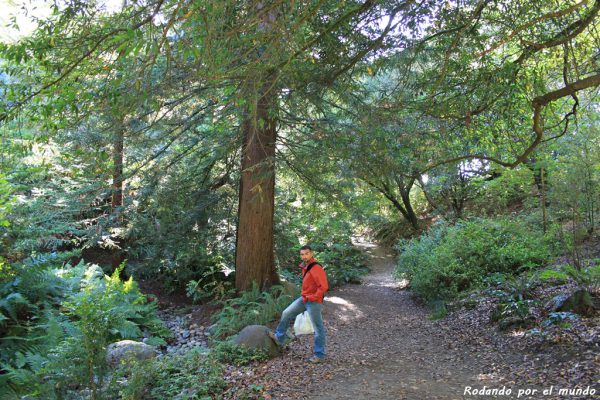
405, 189
405, 208
543, 196
117, 191
254, 260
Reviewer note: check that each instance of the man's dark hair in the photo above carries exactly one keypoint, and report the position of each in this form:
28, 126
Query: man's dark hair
306, 247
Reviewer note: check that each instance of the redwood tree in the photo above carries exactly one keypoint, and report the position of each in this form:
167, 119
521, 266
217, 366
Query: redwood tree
254, 244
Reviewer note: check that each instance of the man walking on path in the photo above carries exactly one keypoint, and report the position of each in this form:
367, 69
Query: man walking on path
314, 286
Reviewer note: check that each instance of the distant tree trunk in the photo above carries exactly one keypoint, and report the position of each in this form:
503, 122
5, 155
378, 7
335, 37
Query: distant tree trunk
428, 197
543, 197
540, 179
405, 189
404, 207
457, 204
117, 191
254, 260
118, 180
458, 194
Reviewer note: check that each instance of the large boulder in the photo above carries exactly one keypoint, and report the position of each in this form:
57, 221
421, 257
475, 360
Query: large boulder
557, 302
126, 351
256, 337
579, 302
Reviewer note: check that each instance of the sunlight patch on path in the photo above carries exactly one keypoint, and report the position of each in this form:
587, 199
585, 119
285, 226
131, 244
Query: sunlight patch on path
346, 311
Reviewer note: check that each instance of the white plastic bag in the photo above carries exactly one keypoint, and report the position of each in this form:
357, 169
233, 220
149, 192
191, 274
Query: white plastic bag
303, 325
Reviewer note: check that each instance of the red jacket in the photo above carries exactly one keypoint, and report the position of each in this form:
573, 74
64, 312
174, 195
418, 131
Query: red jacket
314, 283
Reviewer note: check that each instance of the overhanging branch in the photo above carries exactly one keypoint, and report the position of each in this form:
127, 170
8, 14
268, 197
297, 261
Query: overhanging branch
538, 104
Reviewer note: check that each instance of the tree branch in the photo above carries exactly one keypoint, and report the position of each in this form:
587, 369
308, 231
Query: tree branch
79, 60
538, 103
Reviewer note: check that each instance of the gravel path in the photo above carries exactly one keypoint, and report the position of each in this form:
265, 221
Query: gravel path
382, 345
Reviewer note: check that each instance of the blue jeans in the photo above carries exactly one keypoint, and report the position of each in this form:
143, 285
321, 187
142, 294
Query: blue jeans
314, 310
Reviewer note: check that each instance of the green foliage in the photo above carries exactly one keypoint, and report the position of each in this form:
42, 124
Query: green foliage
58, 321
230, 353
193, 375
105, 310
389, 231
28, 325
585, 277
326, 226
498, 195
562, 319
343, 262
213, 284
353, 121
252, 307
449, 260
173, 233
515, 297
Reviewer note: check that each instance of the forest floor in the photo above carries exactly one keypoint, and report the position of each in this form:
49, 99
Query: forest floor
381, 344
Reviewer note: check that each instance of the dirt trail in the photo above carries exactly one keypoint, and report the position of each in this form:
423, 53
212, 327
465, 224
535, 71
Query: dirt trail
381, 345
390, 342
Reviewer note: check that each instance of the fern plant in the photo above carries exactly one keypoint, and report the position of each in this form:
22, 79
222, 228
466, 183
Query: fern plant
29, 294
57, 322
252, 307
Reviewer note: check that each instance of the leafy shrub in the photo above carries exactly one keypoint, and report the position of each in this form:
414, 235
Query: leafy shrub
252, 307
328, 232
230, 353
587, 278
343, 262
29, 294
105, 310
179, 227
199, 274
58, 322
449, 260
509, 189
193, 375
213, 284
388, 232
516, 297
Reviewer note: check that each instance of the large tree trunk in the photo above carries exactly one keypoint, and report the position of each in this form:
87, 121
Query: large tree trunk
254, 261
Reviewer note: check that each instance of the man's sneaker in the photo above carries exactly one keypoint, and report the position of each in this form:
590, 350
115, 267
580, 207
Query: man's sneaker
315, 360
274, 337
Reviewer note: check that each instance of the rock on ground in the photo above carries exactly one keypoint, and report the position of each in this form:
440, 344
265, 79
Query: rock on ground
127, 350
256, 337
